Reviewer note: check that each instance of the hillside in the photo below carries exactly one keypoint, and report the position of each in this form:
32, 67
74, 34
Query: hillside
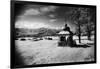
38, 32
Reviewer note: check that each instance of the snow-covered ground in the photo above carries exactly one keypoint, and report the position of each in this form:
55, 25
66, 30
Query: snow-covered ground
84, 40
48, 51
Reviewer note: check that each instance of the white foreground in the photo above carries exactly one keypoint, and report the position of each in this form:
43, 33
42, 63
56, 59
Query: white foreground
47, 51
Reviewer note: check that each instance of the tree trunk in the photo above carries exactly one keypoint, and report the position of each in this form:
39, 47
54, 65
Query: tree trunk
88, 32
79, 36
89, 35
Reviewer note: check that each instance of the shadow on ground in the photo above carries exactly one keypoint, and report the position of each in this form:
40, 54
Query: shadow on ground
81, 46
18, 60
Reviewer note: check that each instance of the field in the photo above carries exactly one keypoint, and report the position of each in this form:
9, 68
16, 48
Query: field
47, 51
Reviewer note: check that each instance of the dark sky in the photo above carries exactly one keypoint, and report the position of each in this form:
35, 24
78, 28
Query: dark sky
34, 16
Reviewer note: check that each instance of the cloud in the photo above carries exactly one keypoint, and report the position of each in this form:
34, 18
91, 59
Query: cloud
30, 25
39, 10
32, 12
51, 15
48, 9
53, 20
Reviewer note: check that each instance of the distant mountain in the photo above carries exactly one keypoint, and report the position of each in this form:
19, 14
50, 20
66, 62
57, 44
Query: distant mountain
36, 32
